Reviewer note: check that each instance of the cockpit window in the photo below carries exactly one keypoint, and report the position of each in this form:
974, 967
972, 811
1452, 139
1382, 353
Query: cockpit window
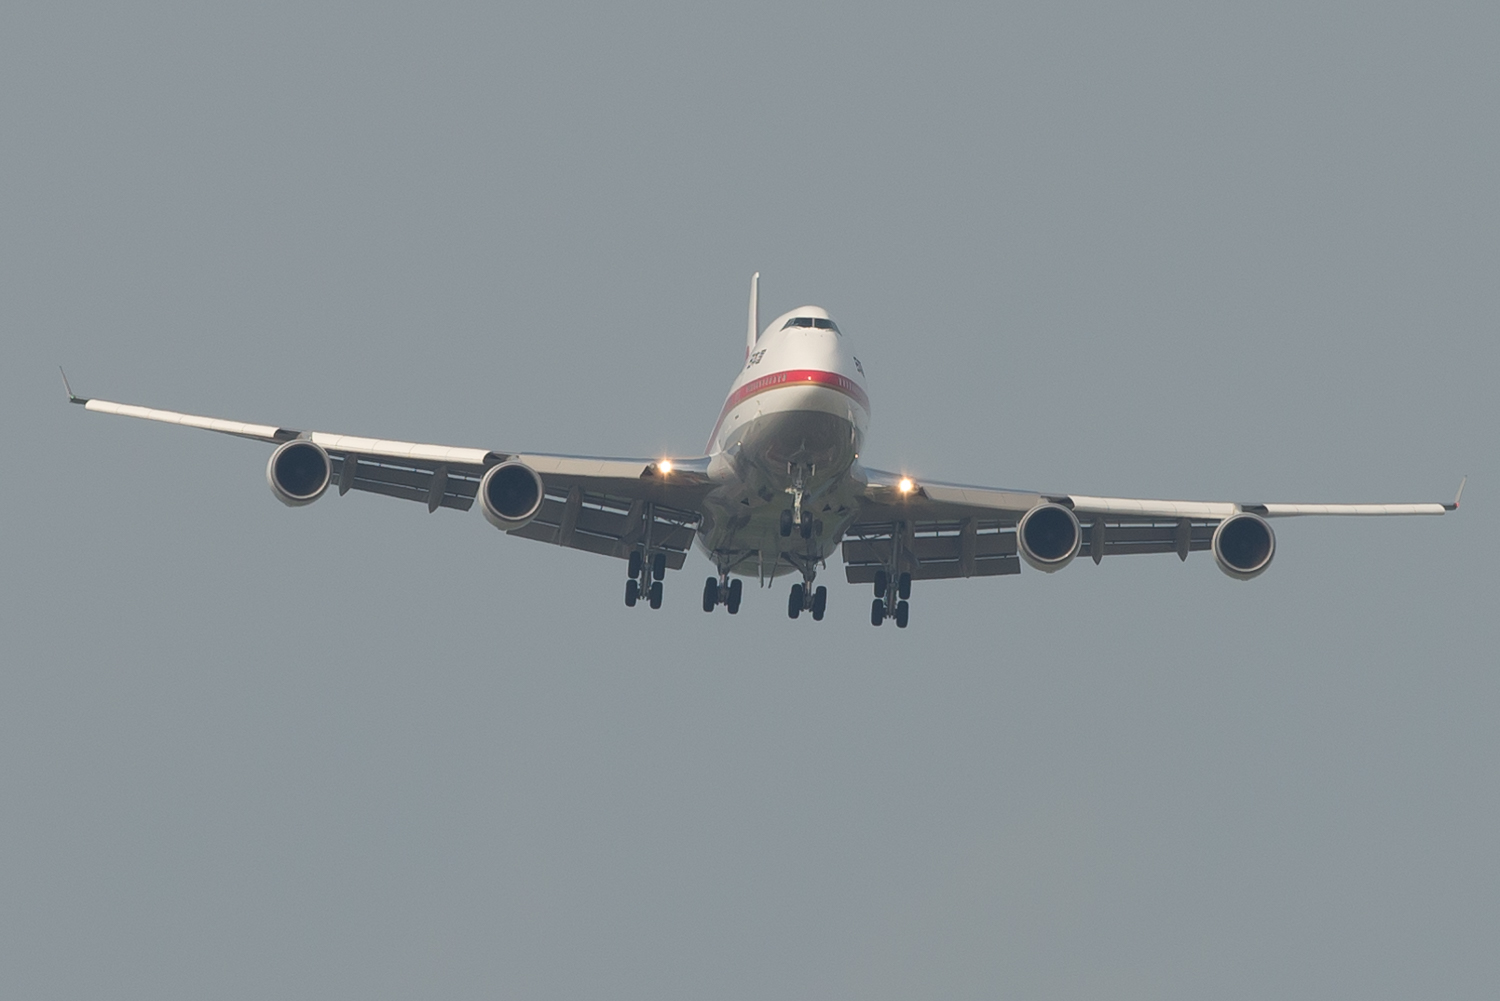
813, 321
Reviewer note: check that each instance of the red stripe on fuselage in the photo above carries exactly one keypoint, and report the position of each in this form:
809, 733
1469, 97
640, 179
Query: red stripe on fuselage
791, 377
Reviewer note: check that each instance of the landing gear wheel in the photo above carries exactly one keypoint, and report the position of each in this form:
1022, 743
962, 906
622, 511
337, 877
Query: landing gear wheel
903, 613
820, 603
734, 596
877, 612
794, 602
903, 586
807, 525
632, 592
881, 583
786, 523
635, 564
656, 595
659, 566
710, 594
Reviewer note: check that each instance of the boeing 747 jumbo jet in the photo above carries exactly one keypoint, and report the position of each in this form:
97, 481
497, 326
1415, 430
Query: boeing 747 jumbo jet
780, 488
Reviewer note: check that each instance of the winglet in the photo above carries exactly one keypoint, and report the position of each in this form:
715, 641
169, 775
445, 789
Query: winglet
1458, 496
71, 397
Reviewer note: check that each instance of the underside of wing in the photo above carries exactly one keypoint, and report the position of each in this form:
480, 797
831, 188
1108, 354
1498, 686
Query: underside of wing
943, 530
610, 506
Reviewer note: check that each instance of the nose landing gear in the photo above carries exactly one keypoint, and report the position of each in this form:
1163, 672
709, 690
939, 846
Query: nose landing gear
798, 515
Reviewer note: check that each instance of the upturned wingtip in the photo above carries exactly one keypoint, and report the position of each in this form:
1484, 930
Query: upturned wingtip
1458, 496
72, 397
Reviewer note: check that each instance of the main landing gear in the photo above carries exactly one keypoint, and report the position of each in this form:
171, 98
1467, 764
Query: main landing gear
891, 596
645, 579
722, 591
805, 599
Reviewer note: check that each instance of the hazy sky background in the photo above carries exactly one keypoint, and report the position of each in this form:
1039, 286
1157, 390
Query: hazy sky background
1241, 252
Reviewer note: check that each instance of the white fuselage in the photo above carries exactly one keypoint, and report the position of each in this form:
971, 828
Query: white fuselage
787, 439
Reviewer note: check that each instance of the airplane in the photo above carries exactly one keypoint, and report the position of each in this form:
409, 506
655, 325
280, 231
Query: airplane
780, 487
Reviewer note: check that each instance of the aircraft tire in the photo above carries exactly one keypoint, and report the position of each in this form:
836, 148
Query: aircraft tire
794, 602
659, 566
710, 594
881, 583
656, 595
635, 564
903, 587
903, 613
820, 603
632, 592
877, 612
735, 587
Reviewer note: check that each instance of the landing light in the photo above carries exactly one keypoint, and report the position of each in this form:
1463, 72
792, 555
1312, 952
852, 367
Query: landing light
665, 466
905, 486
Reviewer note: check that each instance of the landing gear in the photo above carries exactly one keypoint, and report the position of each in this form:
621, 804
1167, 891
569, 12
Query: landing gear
806, 526
805, 598
891, 599
798, 515
645, 578
716, 592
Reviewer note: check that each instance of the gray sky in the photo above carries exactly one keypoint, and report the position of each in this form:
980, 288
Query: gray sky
358, 751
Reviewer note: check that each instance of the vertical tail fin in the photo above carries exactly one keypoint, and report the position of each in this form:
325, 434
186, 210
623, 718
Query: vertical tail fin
754, 328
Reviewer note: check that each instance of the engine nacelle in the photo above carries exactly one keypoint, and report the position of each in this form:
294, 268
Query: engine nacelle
1243, 545
299, 472
510, 495
1048, 537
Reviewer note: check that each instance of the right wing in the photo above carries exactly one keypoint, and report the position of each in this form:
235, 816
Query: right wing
610, 506
942, 530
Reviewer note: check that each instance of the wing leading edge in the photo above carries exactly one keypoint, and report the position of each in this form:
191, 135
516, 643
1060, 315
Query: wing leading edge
936, 530
604, 505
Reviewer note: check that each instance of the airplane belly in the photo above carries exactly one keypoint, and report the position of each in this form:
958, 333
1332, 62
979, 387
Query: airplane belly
809, 428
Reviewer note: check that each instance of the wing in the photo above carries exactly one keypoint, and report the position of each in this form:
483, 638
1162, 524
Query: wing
610, 506
941, 530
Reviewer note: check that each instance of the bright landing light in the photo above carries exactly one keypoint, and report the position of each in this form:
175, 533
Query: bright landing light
905, 485
665, 466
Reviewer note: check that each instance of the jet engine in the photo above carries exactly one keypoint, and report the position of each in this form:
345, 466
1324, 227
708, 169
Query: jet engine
1243, 545
298, 472
1048, 537
510, 495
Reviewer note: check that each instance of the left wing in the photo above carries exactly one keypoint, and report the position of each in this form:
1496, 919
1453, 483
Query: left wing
610, 506
940, 530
